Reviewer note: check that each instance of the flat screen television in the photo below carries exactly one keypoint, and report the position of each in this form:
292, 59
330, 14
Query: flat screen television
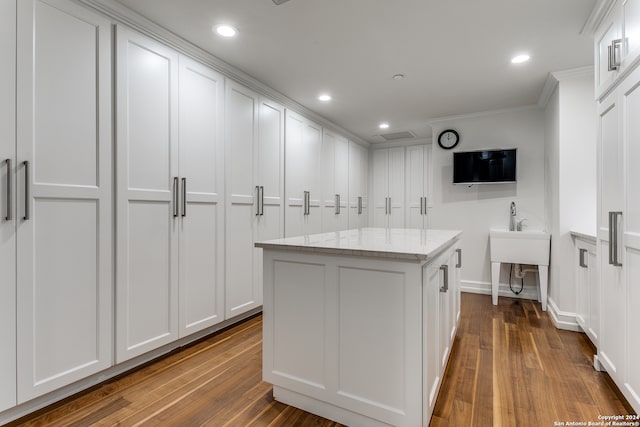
484, 167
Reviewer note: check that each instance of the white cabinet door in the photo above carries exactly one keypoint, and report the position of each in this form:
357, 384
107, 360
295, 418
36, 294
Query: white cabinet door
7, 204
609, 31
303, 150
629, 241
358, 178
380, 199
430, 337
334, 182
416, 186
587, 289
612, 339
328, 182
630, 21
242, 207
64, 237
201, 213
147, 190
396, 187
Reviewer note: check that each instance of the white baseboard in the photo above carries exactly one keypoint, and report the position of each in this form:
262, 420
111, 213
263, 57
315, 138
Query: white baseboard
475, 287
562, 319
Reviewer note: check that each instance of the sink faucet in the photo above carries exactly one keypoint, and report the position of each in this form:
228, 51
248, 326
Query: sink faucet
512, 220
520, 223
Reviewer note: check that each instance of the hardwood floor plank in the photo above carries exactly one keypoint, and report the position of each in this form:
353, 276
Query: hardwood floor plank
509, 366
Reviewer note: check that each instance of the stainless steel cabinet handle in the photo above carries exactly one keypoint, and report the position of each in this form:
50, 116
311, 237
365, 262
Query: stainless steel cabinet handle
336, 209
26, 190
9, 197
613, 239
261, 200
445, 278
610, 66
459, 252
359, 205
175, 196
306, 208
184, 197
582, 263
257, 200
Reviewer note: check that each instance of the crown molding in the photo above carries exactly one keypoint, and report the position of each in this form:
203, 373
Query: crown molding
120, 14
481, 114
555, 77
600, 10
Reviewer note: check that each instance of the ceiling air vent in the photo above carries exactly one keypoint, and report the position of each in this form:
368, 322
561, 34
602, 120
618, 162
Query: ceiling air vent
394, 136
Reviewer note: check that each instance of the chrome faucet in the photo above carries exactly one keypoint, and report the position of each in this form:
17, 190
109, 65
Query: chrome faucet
512, 220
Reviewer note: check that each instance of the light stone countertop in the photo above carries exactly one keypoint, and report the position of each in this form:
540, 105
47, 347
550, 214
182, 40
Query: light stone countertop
397, 243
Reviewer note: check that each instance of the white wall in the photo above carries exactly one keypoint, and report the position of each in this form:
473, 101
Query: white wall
570, 163
476, 209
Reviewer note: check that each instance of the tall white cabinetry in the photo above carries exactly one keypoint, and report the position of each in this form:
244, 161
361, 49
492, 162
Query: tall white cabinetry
417, 185
8, 219
169, 189
255, 209
388, 187
618, 242
335, 182
358, 185
62, 215
303, 149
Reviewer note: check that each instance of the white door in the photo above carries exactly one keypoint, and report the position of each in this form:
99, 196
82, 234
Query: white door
630, 20
270, 173
242, 207
201, 197
612, 339
341, 173
608, 33
415, 187
630, 245
7, 204
581, 277
65, 220
147, 190
396, 187
364, 186
303, 149
430, 336
358, 171
380, 200
328, 182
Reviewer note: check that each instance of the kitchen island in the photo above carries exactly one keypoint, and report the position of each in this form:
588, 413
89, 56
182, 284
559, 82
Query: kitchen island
358, 324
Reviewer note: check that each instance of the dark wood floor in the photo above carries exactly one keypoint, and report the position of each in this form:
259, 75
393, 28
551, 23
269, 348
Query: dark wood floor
509, 367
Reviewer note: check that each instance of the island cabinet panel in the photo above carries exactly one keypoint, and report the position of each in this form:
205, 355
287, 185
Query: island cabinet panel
355, 334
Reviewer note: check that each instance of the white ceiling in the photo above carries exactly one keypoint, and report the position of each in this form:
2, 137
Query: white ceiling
455, 54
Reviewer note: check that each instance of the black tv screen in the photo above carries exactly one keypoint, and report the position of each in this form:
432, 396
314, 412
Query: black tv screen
488, 166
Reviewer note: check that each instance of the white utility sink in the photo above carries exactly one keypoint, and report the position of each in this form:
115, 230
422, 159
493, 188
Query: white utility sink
520, 247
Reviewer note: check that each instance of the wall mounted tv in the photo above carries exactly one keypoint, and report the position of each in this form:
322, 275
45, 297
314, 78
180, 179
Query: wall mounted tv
484, 167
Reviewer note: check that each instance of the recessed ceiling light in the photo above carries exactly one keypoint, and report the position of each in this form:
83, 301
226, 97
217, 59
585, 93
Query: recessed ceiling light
398, 77
226, 31
383, 125
520, 59
324, 97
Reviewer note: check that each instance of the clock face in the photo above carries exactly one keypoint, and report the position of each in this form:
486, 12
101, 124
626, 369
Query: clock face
448, 139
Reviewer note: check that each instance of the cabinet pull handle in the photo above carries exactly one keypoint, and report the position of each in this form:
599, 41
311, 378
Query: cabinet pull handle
614, 234
175, 196
445, 278
257, 200
26, 190
421, 206
337, 202
459, 252
9, 196
359, 205
261, 200
582, 262
306, 207
184, 197
389, 204
610, 66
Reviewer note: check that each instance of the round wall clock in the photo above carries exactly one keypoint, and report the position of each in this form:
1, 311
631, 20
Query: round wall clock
448, 139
